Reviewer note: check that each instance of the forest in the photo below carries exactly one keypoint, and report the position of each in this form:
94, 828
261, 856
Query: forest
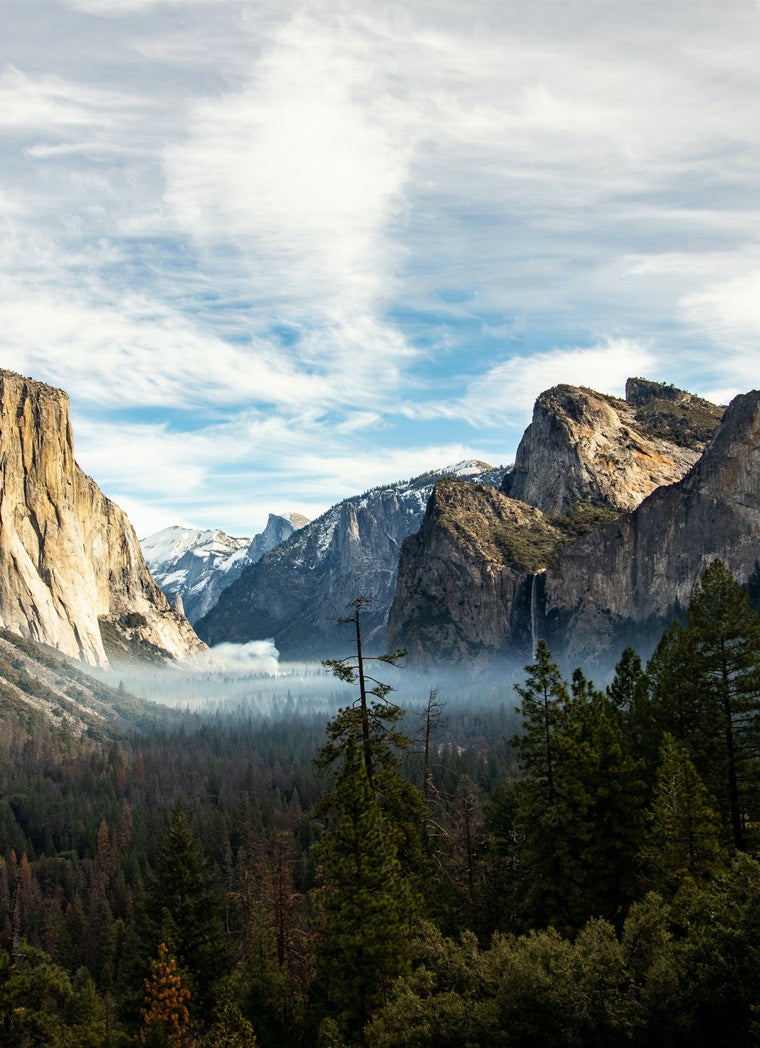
571, 865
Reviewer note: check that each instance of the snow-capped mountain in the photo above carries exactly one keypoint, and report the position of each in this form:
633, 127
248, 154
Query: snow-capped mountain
298, 591
194, 567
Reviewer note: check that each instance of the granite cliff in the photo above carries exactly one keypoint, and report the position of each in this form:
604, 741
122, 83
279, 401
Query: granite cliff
486, 577
71, 569
297, 592
582, 446
629, 578
463, 587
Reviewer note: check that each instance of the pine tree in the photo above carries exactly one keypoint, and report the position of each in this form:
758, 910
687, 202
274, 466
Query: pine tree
371, 849
166, 1016
724, 635
184, 908
544, 695
364, 931
578, 807
603, 801
629, 691
684, 831
372, 715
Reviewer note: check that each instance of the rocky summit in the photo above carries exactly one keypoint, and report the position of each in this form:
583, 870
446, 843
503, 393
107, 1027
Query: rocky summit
582, 446
554, 554
71, 569
628, 579
192, 567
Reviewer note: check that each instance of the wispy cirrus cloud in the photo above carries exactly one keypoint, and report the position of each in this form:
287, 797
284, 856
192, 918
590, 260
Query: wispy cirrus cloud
505, 394
256, 238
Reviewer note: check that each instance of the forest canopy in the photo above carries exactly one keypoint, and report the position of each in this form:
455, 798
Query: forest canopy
572, 864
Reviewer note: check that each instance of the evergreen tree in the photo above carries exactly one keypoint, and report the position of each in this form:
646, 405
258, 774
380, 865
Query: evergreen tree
371, 849
184, 909
544, 695
629, 691
229, 1027
603, 805
33, 996
166, 1017
371, 710
683, 839
675, 704
579, 803
724, 635
363, 906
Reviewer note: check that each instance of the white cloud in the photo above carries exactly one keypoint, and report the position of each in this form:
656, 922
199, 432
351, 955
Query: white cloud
113, 8
257, 656
55, 104
728, 311
250, 213
308, 164
505, 394
727, 314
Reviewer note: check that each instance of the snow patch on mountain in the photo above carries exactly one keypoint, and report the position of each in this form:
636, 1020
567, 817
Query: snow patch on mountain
197, 566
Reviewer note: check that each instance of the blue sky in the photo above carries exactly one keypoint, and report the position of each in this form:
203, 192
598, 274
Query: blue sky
278, 253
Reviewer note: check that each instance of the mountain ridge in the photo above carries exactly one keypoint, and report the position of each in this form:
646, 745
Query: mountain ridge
581, 466
298, 591
193, 566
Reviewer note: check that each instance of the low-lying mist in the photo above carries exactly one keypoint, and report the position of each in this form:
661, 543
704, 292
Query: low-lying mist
249, 679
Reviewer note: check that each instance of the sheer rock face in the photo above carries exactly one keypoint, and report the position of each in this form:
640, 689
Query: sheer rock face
461, 593
298, 591
488, 576
583, 446
632, 576
68, 555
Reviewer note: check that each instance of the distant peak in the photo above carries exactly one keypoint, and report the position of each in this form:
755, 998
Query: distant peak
466, 468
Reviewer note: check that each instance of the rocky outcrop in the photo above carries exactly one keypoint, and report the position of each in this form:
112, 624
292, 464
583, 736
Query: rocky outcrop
628, 579
69, 558
297, 592
464, 589
597, 560
583, 446
194, 566
274, 534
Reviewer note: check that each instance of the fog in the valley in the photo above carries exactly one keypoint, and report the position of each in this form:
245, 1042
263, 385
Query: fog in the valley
241, 679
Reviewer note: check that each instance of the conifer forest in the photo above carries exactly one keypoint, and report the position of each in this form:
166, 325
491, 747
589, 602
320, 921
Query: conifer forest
571, 865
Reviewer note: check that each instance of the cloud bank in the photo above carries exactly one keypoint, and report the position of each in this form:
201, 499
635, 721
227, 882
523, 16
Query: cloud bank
277, 253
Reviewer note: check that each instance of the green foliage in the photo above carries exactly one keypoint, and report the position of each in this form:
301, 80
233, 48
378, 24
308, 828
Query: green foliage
686, 423
229, 1027
363, 905
202, 833
184, 909
544, 697
33, 997
705, 679
584, 516
683, 839
719, 958
530, 547
527, 547
576, 815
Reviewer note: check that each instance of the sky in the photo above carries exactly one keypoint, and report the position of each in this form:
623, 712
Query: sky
278, 253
